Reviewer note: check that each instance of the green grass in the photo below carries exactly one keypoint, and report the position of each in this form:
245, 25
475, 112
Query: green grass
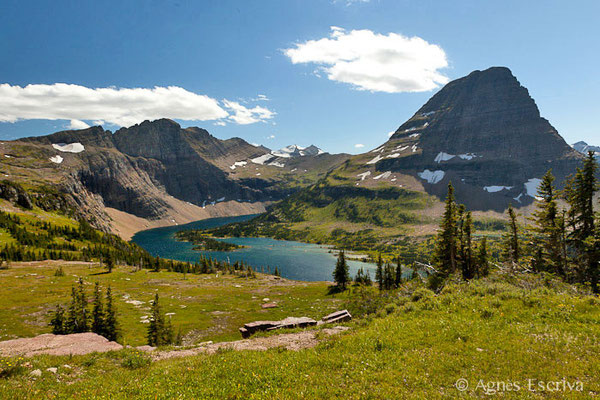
497, 330
206, 307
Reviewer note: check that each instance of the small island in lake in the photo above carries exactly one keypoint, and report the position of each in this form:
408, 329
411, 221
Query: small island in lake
204, 243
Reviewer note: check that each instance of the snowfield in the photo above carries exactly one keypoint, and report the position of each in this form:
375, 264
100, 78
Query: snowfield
56, 159
69, 148
432, 177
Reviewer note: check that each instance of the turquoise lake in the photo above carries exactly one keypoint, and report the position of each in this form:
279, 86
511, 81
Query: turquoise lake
295, 260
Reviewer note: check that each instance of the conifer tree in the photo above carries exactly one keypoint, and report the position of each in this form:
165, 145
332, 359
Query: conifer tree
379, 273
111, 327
546, 218
341, 274
388, 277
483, 264
445, 251
159, 331
58, 321
466, 247
398, 273
110, 263
82, 310
70, 325
579, 193
512, 247
98, 312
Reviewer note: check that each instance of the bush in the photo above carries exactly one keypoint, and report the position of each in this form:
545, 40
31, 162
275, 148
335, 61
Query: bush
135, 359
11, 367
422, 294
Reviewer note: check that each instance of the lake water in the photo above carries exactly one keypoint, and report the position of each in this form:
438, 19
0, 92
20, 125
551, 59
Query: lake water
295, 260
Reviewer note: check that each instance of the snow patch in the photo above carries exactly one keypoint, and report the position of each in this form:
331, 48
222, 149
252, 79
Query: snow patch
467, 156
415, 135
427, 114
385, 175
277, 164
56, 159
443, 157
364, 175
432, 177
69, 148
532, 186
494, 189
395, 155
262, 159
238, 164
414, 148
401, 148
375, 160
518, 198
378, 150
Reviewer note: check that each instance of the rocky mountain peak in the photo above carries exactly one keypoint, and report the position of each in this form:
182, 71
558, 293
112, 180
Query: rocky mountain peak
483, 132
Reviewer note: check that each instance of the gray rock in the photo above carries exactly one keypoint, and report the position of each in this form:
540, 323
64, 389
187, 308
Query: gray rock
54, 370
290, 322
36, 372
338, 316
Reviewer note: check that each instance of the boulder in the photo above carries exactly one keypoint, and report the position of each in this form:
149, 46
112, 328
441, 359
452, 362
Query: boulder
269, 305
338, 316
290, 322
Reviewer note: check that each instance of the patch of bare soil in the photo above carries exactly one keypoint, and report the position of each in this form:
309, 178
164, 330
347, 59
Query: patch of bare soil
58, 345
290, 341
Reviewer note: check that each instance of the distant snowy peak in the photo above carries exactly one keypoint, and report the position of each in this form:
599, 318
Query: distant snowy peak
584, 148
294, 150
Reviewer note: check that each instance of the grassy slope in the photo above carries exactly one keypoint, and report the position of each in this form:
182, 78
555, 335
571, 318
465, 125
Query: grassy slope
214, 307
491, 330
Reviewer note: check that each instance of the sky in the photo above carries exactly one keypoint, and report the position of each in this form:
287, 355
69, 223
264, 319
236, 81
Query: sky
340, 74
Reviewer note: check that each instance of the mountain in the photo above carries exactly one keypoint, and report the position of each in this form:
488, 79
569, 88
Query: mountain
584, 148
158, 171
482, 132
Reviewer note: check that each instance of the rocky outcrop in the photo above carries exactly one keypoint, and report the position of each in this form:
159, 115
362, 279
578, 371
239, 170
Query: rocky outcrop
290, 322
58, 345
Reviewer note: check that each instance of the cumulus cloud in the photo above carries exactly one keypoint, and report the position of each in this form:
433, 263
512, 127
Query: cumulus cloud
76, 124
243, 115
119, 106
359, 145
271, 137
371, 61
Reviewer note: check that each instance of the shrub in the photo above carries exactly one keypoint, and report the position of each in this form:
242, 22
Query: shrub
11, 367
135, 359
422, 294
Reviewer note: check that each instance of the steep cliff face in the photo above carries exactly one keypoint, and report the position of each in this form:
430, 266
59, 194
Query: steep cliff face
485, 134
151, 168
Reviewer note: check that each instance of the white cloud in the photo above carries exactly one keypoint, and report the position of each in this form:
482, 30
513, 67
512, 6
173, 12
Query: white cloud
119, 106
219, 123
98, 122
76, 124
359, 145
350, 2
243, 115
261, 97
367, 60
271, 137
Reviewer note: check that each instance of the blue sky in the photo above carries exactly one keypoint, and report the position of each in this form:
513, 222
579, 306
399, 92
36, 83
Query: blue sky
224, 54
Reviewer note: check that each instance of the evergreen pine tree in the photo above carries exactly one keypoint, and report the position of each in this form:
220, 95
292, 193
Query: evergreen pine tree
58, 321
398, 273
445, 252
158, 330
110, 263
466, 249
341, 274
512, 247
82, 310
546, 218
98, 312
111, 327
70, 325
379, 273
483, 264
579, 193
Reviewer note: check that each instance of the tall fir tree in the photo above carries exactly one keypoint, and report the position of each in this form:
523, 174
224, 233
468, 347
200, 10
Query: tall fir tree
466, 246
58, 321
512, 244
98, 312
579, 193
445, 252
483, 263
398, 273
546, 218
379, 273
111, 326
159, 331
341, 273
82, 309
